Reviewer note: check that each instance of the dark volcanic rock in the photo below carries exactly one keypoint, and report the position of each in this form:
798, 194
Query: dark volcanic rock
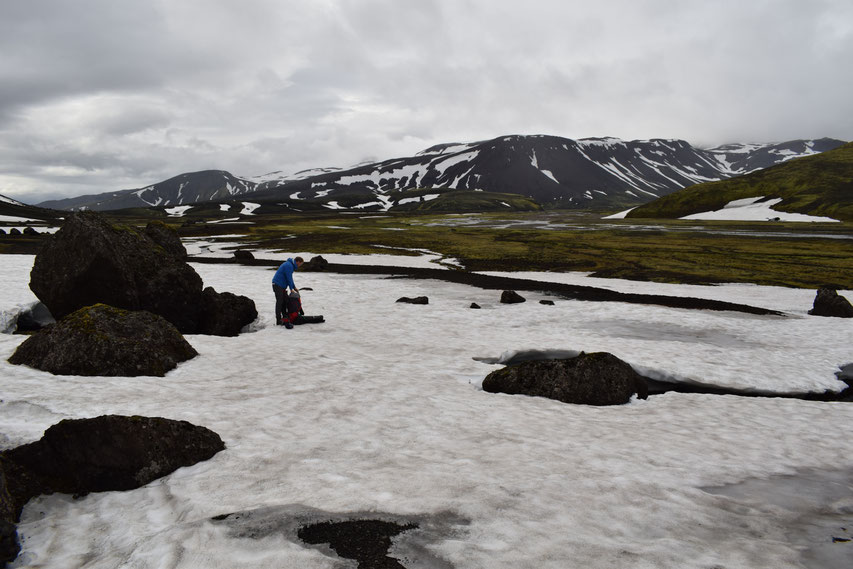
315, 264
226, 313
30, 231
243, 255
366, 541
547, 302
167, 238
111, 452
102, 340
34, 318
89, 261
79, 456
593, 379
14, 231
511, 297
475, 305
415, 300
828, 302
9, 547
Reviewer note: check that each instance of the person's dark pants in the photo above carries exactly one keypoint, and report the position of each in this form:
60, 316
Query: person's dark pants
280, 299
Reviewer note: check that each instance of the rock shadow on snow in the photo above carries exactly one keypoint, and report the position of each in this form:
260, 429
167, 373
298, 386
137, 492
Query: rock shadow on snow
814, 507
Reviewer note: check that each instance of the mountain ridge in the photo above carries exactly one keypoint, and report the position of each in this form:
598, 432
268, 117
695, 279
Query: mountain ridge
601, 172
819, 185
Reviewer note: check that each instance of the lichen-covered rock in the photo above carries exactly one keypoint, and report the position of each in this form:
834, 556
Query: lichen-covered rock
167, 238
90, 261
111, 452
828, 302
593, 379
103, 340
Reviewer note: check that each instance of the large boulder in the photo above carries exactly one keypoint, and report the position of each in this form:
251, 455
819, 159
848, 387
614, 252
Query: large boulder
89, 261
828, 302
166, 237
103, 340
111, 452
225, 313
315, 264
592, 379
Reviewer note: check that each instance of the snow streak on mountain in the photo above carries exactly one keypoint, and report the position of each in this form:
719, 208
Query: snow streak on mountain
560, 172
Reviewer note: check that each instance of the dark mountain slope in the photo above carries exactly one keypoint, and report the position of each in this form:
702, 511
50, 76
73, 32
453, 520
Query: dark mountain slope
554, 171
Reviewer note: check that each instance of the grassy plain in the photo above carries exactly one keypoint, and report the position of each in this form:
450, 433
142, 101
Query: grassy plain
785, 254
806, 255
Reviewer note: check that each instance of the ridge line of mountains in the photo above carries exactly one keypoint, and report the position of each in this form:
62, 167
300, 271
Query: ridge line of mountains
599, 173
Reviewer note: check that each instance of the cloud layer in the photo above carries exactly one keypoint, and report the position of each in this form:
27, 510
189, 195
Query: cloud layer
100, 95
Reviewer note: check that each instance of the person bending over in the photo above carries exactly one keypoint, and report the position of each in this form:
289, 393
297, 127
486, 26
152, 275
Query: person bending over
281, 281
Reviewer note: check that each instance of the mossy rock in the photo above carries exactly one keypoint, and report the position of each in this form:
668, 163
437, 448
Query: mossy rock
108, 341
597, 378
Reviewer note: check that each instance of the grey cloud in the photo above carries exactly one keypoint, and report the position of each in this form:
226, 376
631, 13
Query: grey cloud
126, 94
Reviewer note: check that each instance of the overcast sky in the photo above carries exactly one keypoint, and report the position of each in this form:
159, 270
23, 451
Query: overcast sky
101, 95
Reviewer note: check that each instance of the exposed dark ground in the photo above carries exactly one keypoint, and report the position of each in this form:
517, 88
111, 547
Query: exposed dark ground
567, 291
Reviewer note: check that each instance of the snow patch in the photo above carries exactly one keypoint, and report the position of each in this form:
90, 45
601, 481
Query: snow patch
752, 209
178, 211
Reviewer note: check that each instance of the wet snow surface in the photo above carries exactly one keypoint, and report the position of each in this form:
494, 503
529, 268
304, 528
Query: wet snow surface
380, 410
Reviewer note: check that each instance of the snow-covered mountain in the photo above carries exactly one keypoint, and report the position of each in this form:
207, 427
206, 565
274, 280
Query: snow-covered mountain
555, 171
185, 189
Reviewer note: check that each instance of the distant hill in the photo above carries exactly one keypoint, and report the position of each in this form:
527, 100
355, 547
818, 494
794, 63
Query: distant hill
820, 185
553, 171
14, 208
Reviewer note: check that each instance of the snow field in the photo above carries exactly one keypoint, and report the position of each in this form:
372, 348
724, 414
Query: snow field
379, 409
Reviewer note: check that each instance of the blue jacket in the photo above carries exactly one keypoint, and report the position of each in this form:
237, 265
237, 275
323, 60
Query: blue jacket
284, 275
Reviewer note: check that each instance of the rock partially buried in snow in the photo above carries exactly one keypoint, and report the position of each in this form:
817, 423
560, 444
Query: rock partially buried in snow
828, 302
225, 313
315, 264
511, 297
415, 300
103, 340
598, 378
364, 536
366, 541
111, 452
